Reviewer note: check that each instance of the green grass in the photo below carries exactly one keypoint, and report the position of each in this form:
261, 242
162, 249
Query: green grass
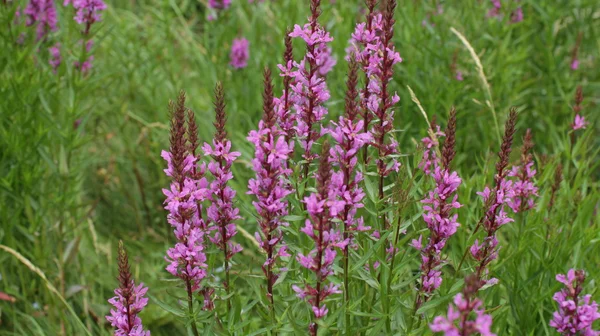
68, 194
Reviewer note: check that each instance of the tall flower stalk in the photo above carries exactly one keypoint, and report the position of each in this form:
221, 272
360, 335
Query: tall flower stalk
222, 213
349, 139
88, 12
525, 190
283, 105
459, 319
579, 121
576, 314
439, 203
496, 200
42, 14
188, 190
310, 89
270, 187
128, 301
322, 206
363, 46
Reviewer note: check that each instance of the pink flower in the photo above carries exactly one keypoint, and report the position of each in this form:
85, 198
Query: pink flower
579, 122
239, 53
575, 64
575, 315
42, 14
55, 57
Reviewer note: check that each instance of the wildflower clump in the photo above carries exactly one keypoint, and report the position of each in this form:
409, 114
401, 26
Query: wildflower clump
576, 314
128, 301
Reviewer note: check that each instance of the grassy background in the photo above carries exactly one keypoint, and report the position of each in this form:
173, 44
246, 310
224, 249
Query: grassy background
68, 194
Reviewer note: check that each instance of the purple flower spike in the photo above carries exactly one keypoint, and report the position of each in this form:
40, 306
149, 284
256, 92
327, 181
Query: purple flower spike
270, 186
576, 314
188, 189
309, 88
579, 122
438, 206
128, 301
42, 14
239, 53
459, 320
55, 57
222, 214
524, 188
322, 208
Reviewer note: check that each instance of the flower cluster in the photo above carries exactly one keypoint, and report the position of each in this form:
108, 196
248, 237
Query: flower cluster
188, 190
222, 213
270, 187
349, 139
579, 122
42, 14
285, 118
55, 57
309, 87
438, 207
516, 15
219, 4
128, 301
322, 206
575, 315
239, 53
457, 321
524, 189
88, 13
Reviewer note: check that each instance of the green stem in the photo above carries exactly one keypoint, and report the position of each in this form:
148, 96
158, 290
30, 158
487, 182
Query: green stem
191, 307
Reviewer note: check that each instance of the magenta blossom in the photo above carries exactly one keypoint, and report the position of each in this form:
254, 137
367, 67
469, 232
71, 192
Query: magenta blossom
88, 11
42, 14
576, 314
55, 57
579, 122
457, 322
124, 317
309, 89
438, 205
239, 53
524, 189
219, 4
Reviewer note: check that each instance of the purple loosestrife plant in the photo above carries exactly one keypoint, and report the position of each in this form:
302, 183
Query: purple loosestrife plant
222, 213
322, 206
458, 321
219, 4
129, 301
87, 13
188, 189
579, 121
575, 53
524, 189
42, 14
576, 314
349, 139
439, 204
240, 52
309, 87
285, 118
269, 186
381, 103
55, 57
364, 45
496, 200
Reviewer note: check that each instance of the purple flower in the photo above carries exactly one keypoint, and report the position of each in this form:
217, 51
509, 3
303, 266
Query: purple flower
128, 301
438, 205
42, 14
55, 57
270, 185
319, 227
517, 15
239, 53
88, 11
579, 122
524, 188
459, 319
496, 10
575, 315
219, 4
309, 89
222, 213
188, 189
